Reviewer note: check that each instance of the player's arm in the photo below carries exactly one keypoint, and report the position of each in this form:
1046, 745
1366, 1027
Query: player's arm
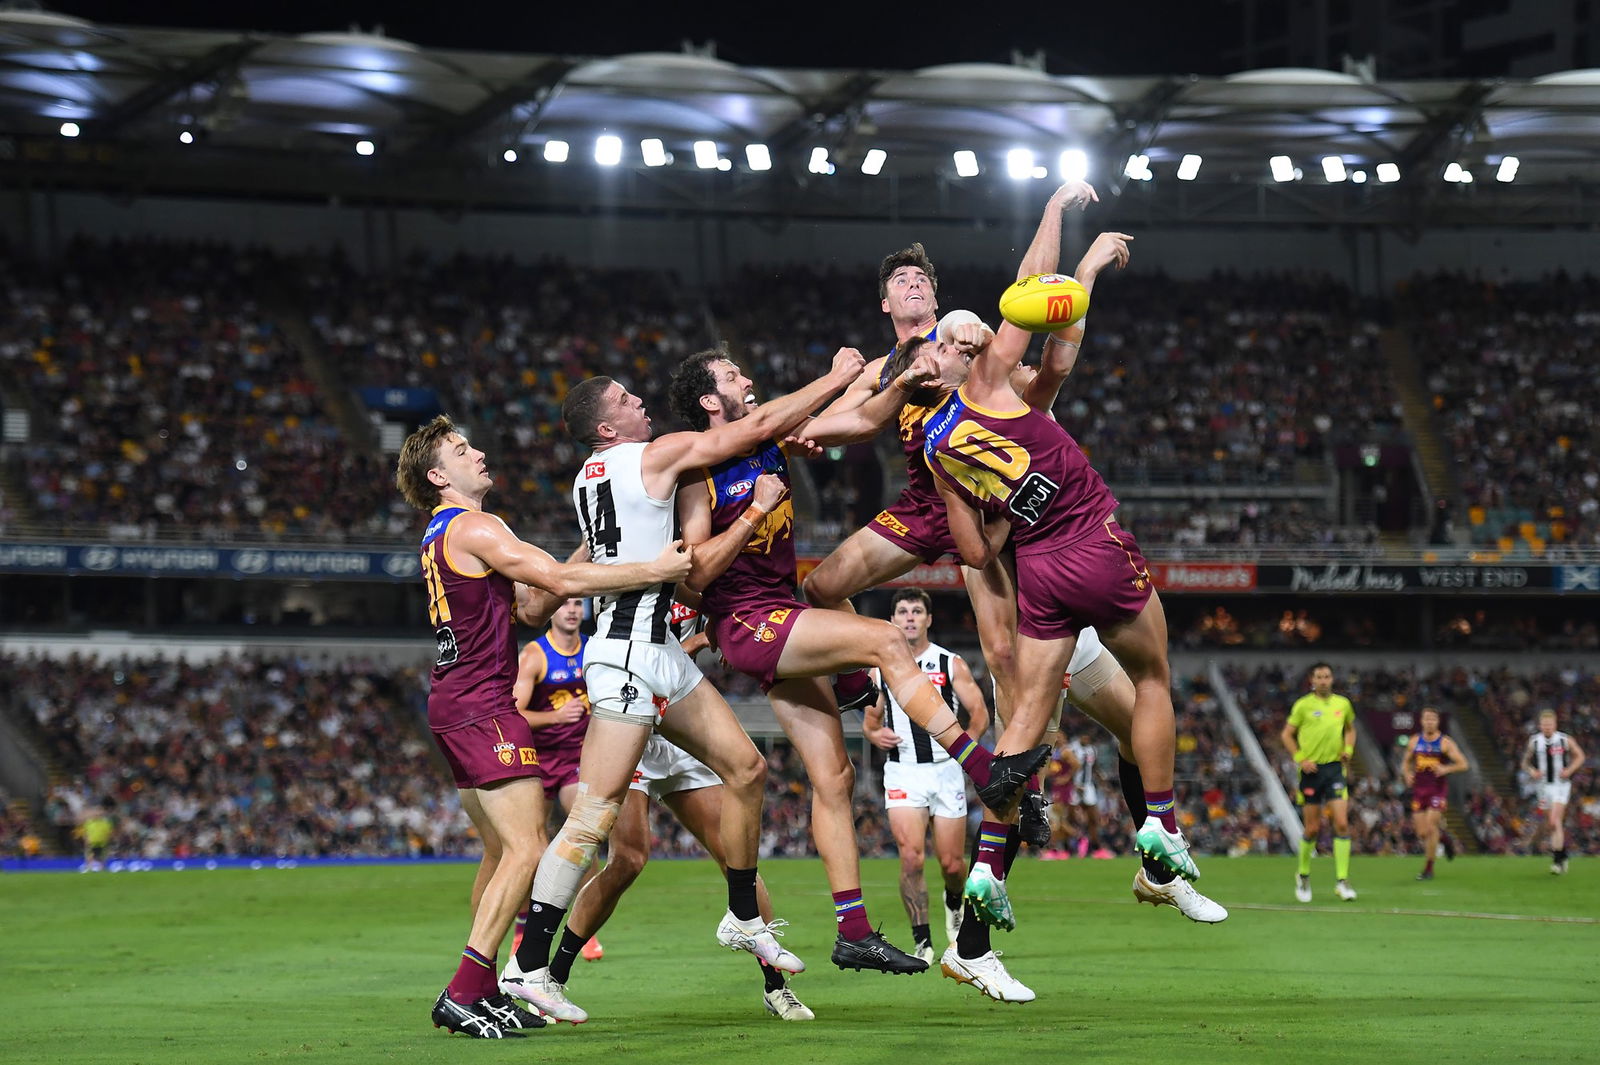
669, 457
1527, 759
1348, 741
534, 607
861, 389
872, 725
1456, 760
1408, 763
1070, 760
1061, 347
1574, 763
487, 539
714, 554
1291, 741
872, 417
978, 541
531, 668
971, 697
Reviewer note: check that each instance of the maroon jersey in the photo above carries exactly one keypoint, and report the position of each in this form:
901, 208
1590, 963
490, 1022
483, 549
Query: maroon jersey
471, 614
1019, 465
562, 682
765, 569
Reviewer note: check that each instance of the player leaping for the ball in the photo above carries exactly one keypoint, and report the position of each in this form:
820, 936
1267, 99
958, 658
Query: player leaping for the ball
763, 630
635, 668
913, 530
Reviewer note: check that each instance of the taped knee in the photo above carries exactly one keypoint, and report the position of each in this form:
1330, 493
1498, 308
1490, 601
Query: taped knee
1096, 675
588, 825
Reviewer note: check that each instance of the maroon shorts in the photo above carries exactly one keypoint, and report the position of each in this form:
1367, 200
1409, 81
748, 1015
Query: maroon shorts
489, 750
916, 526
1100, 581
751, 638
558, 767
1428, 796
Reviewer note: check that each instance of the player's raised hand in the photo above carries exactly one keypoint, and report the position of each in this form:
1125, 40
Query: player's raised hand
847, 365
1074, 194
1108, 249
804, 445
924, 370
971, 337
674, 562
768, 492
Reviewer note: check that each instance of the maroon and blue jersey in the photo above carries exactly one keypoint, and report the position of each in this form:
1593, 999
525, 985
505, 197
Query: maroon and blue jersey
1426, 758
562, 682
1021, 465
765, 569
471, 613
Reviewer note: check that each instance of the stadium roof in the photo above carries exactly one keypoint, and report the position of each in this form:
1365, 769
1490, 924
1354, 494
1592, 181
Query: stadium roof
276, 115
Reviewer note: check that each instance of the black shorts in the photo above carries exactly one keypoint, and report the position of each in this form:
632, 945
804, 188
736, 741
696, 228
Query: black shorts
1323, 784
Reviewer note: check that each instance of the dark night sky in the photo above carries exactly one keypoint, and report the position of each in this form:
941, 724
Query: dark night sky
1100, 38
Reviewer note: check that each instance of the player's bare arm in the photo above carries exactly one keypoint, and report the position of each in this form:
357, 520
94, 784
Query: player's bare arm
1044, 251
872, 727
877, 413
486, 540
1527, 759
971, 697
531, 667
534, 607
860, 390
1408, 763
978, 541
667, 458
1575, 763
1061, 347
1457, 760
714, 554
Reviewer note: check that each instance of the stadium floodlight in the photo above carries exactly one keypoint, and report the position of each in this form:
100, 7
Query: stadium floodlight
1333, 169
758, 156
185, 137
1074, 165
724, 164
556, 151
705, 155
872, 162
1189, 168
1508, 169
1453, 172
509, 155
1388, 173
70, 129
608, 149
1138, 168
1019, 163
365, 147
1358, 176
818, 163
1282, 168
966, 163
655, 152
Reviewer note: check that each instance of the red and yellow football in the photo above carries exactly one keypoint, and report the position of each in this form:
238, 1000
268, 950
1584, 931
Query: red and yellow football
1043, 303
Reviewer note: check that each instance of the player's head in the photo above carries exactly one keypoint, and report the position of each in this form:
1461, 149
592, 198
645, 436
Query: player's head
1322, 678
599, 411
435, 457
707, 384
911, 610
908, 285
954, 368
1547, 722
1430, 719
568, 617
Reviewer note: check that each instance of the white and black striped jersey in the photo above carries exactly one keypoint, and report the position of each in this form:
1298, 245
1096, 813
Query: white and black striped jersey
1549, 755
916, 745
621, 522
1083, 779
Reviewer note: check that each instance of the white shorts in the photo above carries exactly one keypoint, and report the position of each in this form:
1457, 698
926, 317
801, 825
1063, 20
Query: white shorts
666, 769
636, 682
938, 787
1553, 792
1089, 796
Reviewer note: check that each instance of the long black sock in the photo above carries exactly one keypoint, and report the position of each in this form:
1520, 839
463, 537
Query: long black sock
544, 920
1133, 795
952, 899
742, 893
973, 939
770, 976
1013, 847
920, 935
566, 954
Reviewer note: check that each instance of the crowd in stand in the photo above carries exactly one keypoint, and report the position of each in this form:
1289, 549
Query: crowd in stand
1511, 370
1508, 703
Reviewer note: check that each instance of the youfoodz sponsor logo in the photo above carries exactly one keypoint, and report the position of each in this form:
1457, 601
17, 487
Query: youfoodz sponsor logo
1204, 576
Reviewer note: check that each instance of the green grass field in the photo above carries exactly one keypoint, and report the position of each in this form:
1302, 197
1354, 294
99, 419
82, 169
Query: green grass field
341, 965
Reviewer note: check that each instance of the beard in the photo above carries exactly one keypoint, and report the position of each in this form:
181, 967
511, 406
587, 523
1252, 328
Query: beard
732, 409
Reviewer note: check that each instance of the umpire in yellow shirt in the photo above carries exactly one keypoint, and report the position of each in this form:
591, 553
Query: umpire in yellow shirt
1320, 737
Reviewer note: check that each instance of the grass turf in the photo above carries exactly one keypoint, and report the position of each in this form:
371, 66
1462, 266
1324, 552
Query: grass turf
341, 965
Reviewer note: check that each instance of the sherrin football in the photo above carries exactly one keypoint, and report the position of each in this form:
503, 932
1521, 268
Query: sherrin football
1043, 303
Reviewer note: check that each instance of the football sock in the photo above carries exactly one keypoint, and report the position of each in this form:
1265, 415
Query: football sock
544, 920
1013, 846
972, 756
1429, 867
474, 978
992, 846
1308, 847
1559, 854
1341, 857
1162, 805
770, 976
850, 911
972, 941
1132, 783
742, 893
851, 684
920, 934
566, 953
952, 899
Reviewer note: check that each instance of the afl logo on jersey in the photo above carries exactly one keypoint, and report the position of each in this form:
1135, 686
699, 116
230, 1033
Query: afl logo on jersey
739, 488
594, 469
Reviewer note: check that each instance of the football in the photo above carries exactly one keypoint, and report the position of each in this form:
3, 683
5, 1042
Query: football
1043, 303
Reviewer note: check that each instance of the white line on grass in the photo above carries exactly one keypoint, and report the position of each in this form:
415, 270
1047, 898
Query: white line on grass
1393, 912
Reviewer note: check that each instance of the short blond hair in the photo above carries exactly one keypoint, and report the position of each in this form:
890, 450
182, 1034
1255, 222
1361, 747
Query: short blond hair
418, 455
